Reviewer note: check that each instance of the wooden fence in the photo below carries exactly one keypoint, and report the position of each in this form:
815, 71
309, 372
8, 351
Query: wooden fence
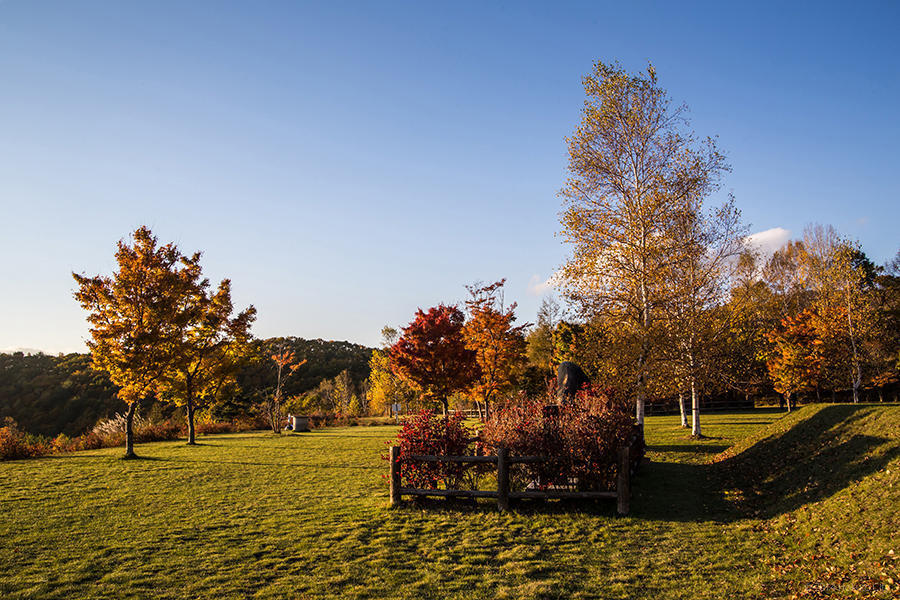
503, 494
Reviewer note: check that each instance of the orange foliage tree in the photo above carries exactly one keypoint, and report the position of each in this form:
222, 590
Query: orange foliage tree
285, 364
795, 363
209, 355
138, 317
499, 346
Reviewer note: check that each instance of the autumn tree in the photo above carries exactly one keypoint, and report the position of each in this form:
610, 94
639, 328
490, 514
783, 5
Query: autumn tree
209, 354
634, 166
286, 364
749, 314
385, 388
498, 344
796, 359
885, 342
710, 242
431, 355
843, 279
138, 317
786, 275
540, 339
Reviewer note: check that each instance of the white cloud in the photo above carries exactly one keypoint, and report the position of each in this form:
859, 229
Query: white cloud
768, 241
538, 286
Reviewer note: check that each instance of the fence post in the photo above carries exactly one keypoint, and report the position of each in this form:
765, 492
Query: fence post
395, 475
623, 484
502, 479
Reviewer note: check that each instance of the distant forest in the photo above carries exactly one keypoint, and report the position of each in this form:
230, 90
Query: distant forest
49, 395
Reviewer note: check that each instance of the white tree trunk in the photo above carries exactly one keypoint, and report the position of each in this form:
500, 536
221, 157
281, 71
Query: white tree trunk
684, 421
695, 410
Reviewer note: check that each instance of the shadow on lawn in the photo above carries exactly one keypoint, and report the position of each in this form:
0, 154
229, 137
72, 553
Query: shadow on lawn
812, 460
690, 448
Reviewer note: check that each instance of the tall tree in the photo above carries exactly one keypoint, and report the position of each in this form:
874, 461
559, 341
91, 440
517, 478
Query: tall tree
138, 317
431, 354
208, 357
843, 279
499, 346
710, 244
634, 166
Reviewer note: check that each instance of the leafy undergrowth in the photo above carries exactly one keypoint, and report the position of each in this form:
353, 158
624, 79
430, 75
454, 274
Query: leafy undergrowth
824, 484
256, 515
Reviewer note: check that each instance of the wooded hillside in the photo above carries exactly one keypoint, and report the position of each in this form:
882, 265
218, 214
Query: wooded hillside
48, 395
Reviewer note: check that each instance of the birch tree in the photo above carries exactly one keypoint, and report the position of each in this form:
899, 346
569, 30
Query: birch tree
842, 277
634, 167
710, 244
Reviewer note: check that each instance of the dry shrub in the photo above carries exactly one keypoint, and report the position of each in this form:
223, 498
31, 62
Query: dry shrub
213, 427
158, 432
580, 440
116, 424
15, 443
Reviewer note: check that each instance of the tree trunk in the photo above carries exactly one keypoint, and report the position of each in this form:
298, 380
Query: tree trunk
695, 410
855, 372
190, 422
684, 422
787, 399
446, 406
129, 431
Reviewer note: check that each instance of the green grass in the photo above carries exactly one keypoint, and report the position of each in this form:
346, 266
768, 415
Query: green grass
306, 515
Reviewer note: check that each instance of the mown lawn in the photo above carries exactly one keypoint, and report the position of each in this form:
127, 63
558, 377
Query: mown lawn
294, 516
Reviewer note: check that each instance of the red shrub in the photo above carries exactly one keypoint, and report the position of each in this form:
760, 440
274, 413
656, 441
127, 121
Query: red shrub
428, 433
581, 440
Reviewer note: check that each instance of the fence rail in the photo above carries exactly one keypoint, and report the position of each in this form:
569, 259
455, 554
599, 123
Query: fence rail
503, 494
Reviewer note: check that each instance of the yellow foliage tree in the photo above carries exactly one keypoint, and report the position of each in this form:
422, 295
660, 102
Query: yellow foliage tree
634, 168
138, 317
209, 354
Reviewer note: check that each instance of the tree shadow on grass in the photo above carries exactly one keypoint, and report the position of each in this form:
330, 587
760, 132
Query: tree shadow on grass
283, 464
689, 448
817, 457
488, 506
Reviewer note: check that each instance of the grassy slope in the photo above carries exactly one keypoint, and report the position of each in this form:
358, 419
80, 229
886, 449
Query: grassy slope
825, 485
254, 515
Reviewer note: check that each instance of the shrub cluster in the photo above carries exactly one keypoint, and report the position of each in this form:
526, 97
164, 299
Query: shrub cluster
429, 433
108, 433
15, 443
580, 439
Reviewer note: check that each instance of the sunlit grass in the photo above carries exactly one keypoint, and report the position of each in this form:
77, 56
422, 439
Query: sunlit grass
265, 516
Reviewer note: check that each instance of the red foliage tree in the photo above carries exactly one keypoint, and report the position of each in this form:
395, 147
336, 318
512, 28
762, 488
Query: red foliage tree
431, 355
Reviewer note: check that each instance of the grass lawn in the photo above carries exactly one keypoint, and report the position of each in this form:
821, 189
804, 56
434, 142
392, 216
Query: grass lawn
805, 505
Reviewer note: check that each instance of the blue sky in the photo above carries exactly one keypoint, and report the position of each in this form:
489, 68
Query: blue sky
345, 163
